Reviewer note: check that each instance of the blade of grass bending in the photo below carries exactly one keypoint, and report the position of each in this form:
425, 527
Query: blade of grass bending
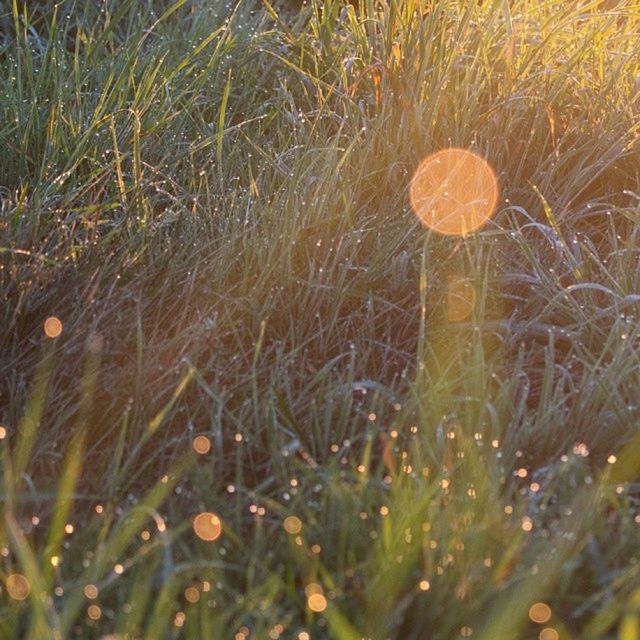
171, 10
159, 619
73, 462
140, 594
340, 627
630, 624
423, 315
142, 211
509, 614
30, 422
192, 54
221, 120
64, 502
548, 212
508, 617
44, 622
118, 164
159, 418
124, 533
114, 20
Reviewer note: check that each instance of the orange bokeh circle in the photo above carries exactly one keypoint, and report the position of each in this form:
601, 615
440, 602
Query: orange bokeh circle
207, 526
454, 192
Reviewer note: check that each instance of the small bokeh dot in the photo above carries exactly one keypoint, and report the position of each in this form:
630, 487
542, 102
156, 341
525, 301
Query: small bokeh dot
52, 327
201, 445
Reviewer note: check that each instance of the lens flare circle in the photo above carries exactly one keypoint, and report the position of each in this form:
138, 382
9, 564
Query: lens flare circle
18, 587
201, 445
292, 525
540, 612
317, 602
207, 526
52, 327
454, 192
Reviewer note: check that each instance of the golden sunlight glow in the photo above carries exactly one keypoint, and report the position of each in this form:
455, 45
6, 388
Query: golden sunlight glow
52, 327
454, 192
540, 612
18, 586
207, 526
292, 525
461, 298
201, 445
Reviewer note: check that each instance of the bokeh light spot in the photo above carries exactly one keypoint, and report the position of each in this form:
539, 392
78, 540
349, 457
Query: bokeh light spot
549, 634
317, 602
292, 525
201, 445
91, 591
18, 587
540, 612
52, 327
94, 612
192, 595
461, 298
454, 192
207, 526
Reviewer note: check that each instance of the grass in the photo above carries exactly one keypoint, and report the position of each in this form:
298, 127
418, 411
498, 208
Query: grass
213, 200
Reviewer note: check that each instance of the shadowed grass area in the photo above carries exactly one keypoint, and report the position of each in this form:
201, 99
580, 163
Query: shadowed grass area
213, 199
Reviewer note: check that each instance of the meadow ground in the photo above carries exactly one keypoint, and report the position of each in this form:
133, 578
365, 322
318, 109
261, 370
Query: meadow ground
245, 393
